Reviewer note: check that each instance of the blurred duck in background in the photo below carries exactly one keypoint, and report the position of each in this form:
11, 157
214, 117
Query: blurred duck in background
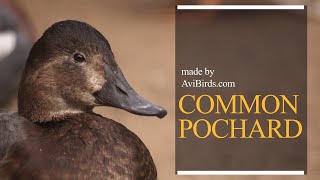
15, 44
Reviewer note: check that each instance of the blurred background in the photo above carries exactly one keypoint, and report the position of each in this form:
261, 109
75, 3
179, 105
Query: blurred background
142, 36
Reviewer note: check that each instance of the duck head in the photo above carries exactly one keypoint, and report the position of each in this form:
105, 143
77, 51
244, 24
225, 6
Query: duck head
71, 69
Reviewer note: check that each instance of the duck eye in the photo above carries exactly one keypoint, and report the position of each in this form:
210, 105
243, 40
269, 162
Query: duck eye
79, 57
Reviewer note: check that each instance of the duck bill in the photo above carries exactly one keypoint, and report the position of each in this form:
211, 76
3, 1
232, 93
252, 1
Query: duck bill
117, 92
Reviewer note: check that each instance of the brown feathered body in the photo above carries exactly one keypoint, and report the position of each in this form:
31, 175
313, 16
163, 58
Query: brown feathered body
83, 146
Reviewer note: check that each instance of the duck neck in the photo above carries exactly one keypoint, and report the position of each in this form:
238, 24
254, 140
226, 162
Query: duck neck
40, 101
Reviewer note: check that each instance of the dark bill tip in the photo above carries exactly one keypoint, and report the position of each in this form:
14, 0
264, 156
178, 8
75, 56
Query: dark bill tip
162, 113
145, 108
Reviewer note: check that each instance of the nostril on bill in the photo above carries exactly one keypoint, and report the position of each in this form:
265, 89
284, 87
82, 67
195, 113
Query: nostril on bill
121, 91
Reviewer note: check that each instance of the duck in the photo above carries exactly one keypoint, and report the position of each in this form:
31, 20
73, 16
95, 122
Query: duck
55, 134
16, 41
